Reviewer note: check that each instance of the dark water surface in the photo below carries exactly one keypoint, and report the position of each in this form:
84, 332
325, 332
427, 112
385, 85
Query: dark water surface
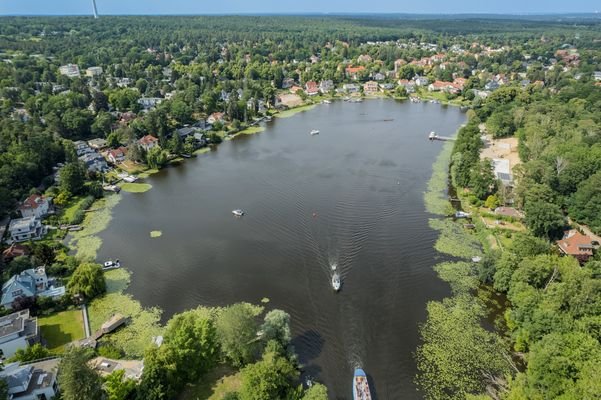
364, 177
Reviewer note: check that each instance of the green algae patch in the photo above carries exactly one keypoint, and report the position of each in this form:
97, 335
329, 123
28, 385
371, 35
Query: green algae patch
434, 198
156, 234
455, 240
136, 187
252, 130
293, 111
143, 324
147, 173
85, 243
265, 300
203, 150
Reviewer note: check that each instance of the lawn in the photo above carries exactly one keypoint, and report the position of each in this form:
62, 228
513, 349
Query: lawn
74, 206
61, 328
214, 385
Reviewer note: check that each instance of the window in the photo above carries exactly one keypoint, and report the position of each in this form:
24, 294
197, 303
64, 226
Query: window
17, 293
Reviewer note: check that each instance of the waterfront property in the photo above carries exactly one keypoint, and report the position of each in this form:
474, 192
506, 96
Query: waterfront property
35, 206
32, 381
148, 142
18, 330
23, 229
30, 283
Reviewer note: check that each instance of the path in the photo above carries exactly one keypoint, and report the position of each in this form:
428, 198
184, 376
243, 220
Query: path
86, 322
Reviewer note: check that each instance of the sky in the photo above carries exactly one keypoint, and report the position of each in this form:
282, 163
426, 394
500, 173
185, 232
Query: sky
64, 7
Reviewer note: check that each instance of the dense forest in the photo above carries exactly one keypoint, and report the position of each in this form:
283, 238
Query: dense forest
546, 343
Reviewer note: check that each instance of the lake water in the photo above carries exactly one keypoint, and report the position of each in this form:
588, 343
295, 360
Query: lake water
351, 196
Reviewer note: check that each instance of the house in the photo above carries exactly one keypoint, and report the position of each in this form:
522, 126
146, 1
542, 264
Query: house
370, 87
364, 58
185, 132
421, 81
116, 156
148, 103
123, 82
438, 86
379, 76
287, 83
94, 71
295, 89
35, 206
29, 228
82, 148
597, 76
30, 283
69, 70
94, 162
15, 250
98, 144
216, 117
18, 331
312, 88
492, 85
459, 84
386, 86
398, 64
407, 84
350, 88
105, 366
353, 72
502, 171
148, 142
577, 245
33, 381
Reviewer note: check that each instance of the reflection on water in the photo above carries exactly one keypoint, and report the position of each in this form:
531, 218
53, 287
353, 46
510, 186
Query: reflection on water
350, 196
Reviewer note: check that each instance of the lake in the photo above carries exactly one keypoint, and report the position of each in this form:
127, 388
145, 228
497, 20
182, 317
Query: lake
350, 196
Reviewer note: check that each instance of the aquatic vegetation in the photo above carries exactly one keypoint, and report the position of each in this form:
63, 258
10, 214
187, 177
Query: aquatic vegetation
156, 234
294, 111
265, 300
435, 196
203, 150
462, 276
147, 173
86, 243
143, 325
136, 187
454, 240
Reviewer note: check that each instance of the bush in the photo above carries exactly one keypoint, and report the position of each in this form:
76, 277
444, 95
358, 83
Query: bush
110, 351
77, 217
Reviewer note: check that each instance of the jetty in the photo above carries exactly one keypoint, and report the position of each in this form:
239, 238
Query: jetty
434, 136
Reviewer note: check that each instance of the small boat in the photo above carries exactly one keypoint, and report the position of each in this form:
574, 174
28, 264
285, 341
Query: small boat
361, 386
336, 283
432, 135
334, 267
111, 188
462, 214
111, 264
314, 132
326, 102
238, 213
268, 118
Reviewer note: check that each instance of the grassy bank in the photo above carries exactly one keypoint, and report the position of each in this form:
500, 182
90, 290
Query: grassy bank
136, 187
214, 385
85, 243
143, 325
293, 111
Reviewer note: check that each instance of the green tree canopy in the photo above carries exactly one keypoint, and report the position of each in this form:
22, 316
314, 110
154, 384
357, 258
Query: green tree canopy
87, 281
76, 379
237, 329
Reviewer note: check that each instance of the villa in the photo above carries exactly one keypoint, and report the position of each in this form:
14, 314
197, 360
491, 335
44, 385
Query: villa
35, 206
370, 87
28, 228
30, 283
148, 142
33, 381
577, 245
18, 331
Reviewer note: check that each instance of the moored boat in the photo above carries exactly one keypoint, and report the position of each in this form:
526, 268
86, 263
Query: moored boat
462, 214
336, 283
314, 132
238, 213
361, 386
111, 264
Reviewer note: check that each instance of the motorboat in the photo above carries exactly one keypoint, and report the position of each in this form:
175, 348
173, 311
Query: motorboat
110, 264
336, 283
326, 102
314, 132
462, 214
238, 213
334, 267
361, 386
432, 135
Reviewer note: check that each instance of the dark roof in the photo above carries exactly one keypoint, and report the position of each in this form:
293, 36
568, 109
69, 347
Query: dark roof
13, 323
186, 131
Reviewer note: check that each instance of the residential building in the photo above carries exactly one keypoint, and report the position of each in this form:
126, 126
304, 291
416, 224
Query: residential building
216, 117
148, 142
597, 76
407, 84
30, 283
105, 366
116, 156
13, 251
379, 76
354, 72
326, 86
35, 206
34, 381
311, 88
94, 71
370, 87
94, 162
82, 148
185, 132
69, 70
491, 85
17, 331
364, 58
398, 64
98, 144
421, 81
23, 229
577, 245
387, 86
350, 88
149, 103
287, 83
502, 171
123, 82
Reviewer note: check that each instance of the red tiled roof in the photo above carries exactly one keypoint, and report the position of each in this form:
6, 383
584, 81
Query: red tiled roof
575, 243
354, 70
32, 202
148, 139
15, 250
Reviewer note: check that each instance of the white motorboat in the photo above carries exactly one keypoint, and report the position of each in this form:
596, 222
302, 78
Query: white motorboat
462, 214
314, 132
336, 283
111, 264
334, 267
238, 213
326, 102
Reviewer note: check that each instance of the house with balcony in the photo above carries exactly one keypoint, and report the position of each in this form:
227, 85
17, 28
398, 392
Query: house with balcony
30, 283
35, 206
33, 381
28, 228
326, 86
148, 142
18, 330
370, 87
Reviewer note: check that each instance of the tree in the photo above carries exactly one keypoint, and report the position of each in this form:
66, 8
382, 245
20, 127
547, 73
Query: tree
119, 388
76, 379
101, 101
102, 124
316, 392
482, 179
175, 145
492, 202
237, 333
160, 377
193, 338
277, 327
156, 158
269, 378
544, 219
585, 205
87, 281
31, 353
72, 177
43, 253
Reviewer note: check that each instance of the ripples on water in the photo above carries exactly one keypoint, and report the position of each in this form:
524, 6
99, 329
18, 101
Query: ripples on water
351, 196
